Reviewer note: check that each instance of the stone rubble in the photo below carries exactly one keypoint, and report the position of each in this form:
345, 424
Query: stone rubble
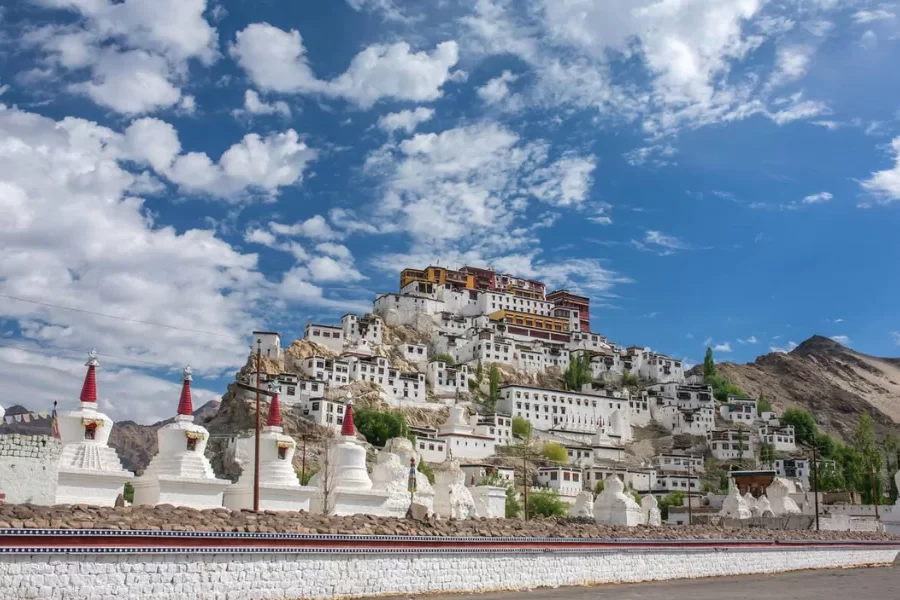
170, 518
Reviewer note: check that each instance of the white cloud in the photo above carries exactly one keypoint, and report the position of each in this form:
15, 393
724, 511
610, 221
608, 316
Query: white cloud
566, 182
868, 16
723, 347
406, 120
496, 90
896, 336
782, 350
337, 251
328, 269
841, 339
817, 198
137, 51
316, 228
707, 342
750, 340
254, 105
791, 63
658, 241
276, 60
885, 185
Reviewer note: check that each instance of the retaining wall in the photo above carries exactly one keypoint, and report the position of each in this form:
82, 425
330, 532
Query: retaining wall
110, 565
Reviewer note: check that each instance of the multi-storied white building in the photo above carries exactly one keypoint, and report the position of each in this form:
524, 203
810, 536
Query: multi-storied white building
446, 380
780, 438
731, 444
269, 344
565, 481
739, 410
682, 409
369, 328
678, 463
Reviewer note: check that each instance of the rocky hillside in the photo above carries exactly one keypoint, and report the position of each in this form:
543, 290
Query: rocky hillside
834, 382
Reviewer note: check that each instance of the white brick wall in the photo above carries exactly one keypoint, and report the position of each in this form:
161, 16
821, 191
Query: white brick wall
29, 467
282, 576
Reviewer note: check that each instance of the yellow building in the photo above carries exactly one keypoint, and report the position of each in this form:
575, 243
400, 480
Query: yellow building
437, 276
523, 319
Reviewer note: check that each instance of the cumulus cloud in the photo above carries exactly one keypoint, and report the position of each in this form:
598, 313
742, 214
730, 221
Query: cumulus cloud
783, 349
254, 105
276, 60
723, 347
497, 90
817, 198
868, 16
885, 185
841, 339
405, 120
750, 340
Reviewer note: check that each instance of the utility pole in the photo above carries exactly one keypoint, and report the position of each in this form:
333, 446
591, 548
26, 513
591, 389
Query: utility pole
303, 462
525, 481
690, 508
875, 492
816, 484
256, 454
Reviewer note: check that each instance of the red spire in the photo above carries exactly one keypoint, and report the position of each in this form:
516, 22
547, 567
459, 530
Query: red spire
89, 389
348, 428
274, 412
185, 404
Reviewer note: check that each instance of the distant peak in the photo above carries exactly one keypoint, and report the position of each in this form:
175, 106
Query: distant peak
818, 344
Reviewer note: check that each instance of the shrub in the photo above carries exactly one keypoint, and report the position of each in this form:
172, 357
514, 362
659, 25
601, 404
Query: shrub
521, 427
546, 504
378, 427
555, 452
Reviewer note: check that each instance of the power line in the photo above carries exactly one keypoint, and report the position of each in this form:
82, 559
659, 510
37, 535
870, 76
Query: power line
40, 347
126, 319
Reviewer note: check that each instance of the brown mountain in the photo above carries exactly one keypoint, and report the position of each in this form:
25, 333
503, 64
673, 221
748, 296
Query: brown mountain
834, 382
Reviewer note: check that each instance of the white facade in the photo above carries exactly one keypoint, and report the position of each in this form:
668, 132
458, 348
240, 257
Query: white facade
642, 481
294, 388
565, 481
475, 472
29, 468
402, 309
269, 344
465, 441
639, 408
414, 354
497, 426
89, 470
329, 336
557, 410
679, 463
781, 438
487, 347
180, 473
377, 369
369, 328
335, 371
682, 409
739, 410
660, 368
667, 483
431, 449
325, 412
446, 380
731, 444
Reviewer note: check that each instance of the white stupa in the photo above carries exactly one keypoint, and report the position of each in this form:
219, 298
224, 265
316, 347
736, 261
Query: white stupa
734, 506
650, 511
452, 499
89, 470
779, 494
180, 474
891, 518
614, 507
584, 505
343, 482
391, 474
279, 487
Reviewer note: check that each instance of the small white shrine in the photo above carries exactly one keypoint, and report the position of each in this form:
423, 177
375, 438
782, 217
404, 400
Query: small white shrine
343, 482
391, 474
584, 505
650, 511
762, 508
735, 506
779, 494
89, 470
614, 507
891, 519
452, 499
180, 473
279, 487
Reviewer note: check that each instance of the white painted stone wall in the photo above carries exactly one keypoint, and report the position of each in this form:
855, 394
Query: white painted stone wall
278, 576
29, 468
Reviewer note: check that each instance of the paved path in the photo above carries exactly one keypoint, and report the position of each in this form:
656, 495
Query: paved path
881, 583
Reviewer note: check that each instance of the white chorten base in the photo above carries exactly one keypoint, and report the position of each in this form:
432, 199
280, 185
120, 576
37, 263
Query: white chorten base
90, 487
490, 501
342, 501
272, 496
891, 520
180, 491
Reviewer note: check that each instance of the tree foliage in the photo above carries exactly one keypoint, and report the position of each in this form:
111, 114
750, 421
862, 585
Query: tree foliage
378, 427
513, 506
763, 405
709, 364
578, 372
870, 459
805, 429
426, 471
555, 452
128, 493
722, 388
767, 454
672, 499
445, 358
546, 504
629, 379
494, 386
521, 427
479, 372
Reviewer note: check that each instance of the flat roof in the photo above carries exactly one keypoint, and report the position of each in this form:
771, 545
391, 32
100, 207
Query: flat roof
265, 332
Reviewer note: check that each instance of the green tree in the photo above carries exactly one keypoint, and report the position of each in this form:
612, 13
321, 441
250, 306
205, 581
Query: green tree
829, 478
128, 493
629, 379
521, 427
426, 471
767, 455
555, 452
494, 386
578, 373
599, 487
513, 506
378, 427
479, 372
763, 405
445, 357
305, 476
672, 499
546, 504
805, 429
871, 459
709, 364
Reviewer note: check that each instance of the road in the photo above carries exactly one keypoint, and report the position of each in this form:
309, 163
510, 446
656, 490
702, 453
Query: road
881, 583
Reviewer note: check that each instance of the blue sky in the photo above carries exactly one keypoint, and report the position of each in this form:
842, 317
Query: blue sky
710, 172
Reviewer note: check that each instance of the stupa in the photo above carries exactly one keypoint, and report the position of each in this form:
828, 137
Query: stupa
779, 494
452, 499
614, 507
650, 511
391, 474
343, 482
180, 474
734, 506
89, 470
279, 487
584, 505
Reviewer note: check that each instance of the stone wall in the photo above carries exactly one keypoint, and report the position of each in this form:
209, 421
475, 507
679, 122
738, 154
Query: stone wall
29, 468
174, 574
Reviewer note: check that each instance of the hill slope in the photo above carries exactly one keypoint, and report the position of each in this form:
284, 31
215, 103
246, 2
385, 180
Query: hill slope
834, 382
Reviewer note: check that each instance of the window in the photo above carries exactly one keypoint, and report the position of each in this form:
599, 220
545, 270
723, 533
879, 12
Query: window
191, 445
282, 453
90, 432
291, 390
